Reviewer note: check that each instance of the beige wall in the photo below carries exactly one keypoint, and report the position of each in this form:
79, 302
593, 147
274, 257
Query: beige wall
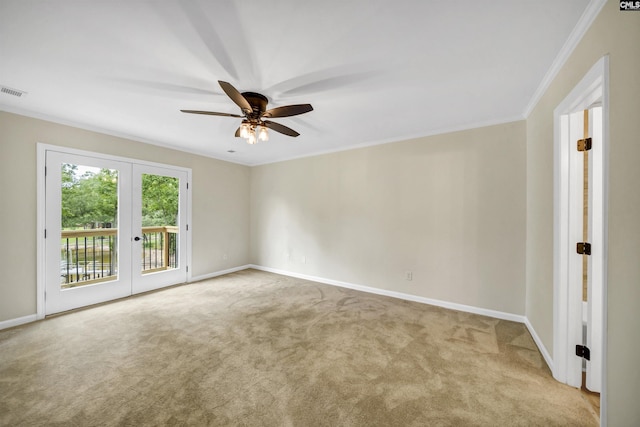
449, 208
617, 34
455, 209
220, 203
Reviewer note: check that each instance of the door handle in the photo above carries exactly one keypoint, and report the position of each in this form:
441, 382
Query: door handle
136, 238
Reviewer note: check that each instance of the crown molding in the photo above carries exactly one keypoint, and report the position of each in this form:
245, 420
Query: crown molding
588, 16
403, 138
104, 131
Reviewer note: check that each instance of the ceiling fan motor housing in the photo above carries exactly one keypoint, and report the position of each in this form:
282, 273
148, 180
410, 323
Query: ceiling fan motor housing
258, 103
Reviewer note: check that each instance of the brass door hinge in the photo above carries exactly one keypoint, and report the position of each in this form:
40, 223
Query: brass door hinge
584, 144
583, 248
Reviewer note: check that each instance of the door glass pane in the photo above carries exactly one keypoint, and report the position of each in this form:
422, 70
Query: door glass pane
89, 229
160, 202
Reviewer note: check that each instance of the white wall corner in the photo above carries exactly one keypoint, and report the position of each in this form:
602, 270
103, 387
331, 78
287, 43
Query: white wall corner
218, 273
538, 341
588, 16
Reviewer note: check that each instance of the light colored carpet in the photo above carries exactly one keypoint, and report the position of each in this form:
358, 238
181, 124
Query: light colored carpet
259, 349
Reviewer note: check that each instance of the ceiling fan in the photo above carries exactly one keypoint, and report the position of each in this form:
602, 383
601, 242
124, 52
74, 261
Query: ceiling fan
254, 113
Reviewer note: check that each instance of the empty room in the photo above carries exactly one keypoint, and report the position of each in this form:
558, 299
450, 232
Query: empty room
356, 213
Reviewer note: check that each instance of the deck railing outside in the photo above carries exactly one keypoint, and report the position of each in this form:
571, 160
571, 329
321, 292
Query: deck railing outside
89, 256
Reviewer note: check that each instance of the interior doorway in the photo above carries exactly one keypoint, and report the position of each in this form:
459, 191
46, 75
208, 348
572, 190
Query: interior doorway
580, 252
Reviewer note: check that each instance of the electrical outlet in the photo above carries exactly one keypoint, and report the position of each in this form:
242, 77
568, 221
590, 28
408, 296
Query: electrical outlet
408, 275
225, 256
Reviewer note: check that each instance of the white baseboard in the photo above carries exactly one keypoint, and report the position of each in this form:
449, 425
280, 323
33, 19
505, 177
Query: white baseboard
439, 303
538, 341
219, 273
445, 304
18, 321
33, 317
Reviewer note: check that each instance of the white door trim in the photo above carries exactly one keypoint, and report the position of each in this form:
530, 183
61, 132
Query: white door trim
41, 149
567, 308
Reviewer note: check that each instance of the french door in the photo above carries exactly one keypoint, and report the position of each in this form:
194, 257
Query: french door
159, 241
113, 228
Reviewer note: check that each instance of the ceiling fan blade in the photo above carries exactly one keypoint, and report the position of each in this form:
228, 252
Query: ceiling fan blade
238, 133
280, 128
210, 113
288, 110
236, 96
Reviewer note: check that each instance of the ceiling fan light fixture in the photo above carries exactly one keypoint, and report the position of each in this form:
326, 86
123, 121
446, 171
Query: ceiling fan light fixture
251, 139
254, 110
244, 130
263, 135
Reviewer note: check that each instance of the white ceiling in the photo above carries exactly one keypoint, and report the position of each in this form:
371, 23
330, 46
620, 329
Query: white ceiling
374, 71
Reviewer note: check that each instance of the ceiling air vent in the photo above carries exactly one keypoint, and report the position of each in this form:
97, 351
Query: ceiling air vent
14, 92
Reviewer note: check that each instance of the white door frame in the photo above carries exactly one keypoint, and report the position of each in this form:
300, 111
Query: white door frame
567, 277
41, 149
